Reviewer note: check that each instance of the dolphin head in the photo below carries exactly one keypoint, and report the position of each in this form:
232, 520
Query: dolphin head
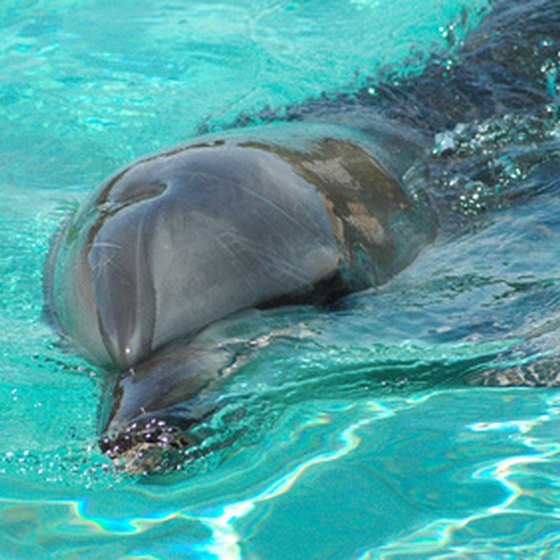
179, 240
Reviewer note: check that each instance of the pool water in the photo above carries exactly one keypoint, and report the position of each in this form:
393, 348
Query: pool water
374, 431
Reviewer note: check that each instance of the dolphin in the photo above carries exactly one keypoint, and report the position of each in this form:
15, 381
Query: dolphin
268, 216
182, 238
172, 245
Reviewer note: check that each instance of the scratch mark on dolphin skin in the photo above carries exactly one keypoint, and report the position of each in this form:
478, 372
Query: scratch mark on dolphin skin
103, 262
106, 245
225, 246
273, 261
268, 202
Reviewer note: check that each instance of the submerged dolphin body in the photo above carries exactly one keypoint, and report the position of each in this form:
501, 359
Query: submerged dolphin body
261, 217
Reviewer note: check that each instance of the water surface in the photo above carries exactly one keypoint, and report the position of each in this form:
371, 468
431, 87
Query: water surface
363, 436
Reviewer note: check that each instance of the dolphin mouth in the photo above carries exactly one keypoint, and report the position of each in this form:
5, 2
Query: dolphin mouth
152, 445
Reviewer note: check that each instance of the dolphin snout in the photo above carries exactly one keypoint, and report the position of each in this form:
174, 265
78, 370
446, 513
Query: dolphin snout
150, 445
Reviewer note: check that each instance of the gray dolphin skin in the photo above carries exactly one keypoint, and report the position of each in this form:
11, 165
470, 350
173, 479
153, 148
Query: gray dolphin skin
176, 241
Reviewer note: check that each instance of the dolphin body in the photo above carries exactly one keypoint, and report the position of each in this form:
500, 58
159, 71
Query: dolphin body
262, 217
142, 275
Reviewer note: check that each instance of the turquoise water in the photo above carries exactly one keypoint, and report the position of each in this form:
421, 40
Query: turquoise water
362, 436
